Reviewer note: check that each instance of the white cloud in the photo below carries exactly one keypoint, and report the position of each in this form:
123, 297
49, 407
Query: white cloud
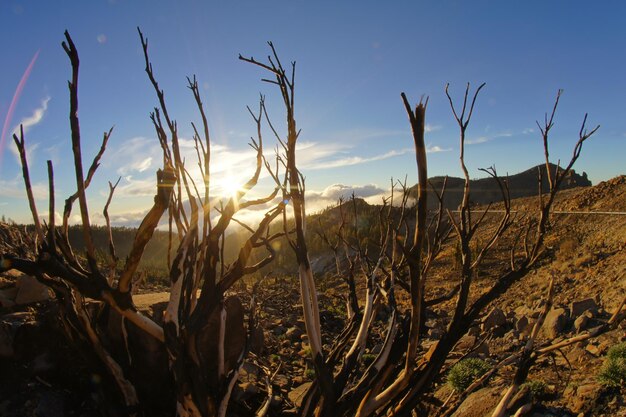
34, 118
436, 149
27, 123
356, 160
475, 141
318, 200
431, 128
483, 139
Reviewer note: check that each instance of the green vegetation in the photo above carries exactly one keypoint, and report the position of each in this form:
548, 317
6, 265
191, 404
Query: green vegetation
613, 372
538, 389
368, 358
465, 372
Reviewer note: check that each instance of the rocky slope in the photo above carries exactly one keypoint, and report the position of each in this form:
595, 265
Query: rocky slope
586, 255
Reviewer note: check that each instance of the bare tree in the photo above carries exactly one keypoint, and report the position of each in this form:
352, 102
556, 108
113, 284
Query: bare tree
203, 331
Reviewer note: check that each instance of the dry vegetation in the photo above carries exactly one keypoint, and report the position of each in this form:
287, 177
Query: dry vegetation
410, 295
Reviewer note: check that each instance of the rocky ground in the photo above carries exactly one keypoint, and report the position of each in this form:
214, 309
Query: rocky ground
586, 256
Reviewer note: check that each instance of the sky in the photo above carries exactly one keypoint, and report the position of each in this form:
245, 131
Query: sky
353, 61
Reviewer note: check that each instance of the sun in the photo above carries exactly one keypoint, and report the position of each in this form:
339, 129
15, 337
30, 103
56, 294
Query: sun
230, 186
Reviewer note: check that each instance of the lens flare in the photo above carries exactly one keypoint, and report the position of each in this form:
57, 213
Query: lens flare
14, 101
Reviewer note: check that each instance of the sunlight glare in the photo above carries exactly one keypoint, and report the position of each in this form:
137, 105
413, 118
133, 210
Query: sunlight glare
229, 186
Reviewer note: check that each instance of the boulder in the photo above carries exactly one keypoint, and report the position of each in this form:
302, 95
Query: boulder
29, 290
494, 319
583, 321
586, 398
555, 323
7, 297
579, 307
293, 333
10, 325
296, 395
479, 403
522, 324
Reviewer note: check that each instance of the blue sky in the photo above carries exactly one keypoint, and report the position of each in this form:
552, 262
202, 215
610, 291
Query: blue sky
353, 60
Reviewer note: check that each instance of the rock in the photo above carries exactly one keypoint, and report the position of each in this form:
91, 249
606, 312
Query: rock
474, 331
579, 307
7, 297
293, 334
234, 338
494, 319
276, 401
279, 330
555, 323
296, 395
10, 325
436, 333
248, 390
479, 403
281, 380
586, 398
593, 349
465, 343
257, 340
522, 324
468, 342
582, 322
29, 290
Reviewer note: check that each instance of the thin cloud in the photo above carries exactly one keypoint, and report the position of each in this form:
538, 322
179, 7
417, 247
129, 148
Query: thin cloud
357, 160
34, 119
431, 128
483, 139
14, 188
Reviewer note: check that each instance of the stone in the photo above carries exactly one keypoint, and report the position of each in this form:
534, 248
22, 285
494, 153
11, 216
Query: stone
296, 395
495, 318
248, 390
555, 323
29, 290
465, 343
579, 307
293, 334
6, 302
586, 398
279, 330
436, 333
474, 331
521, 324
593, 349
581, 323
7, 297
281, 380
479, 403
257, 340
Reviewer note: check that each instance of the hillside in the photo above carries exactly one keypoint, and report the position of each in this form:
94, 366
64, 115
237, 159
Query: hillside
486, 190
586, 255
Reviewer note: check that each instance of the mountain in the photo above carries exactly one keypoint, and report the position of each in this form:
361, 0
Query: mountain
486, 190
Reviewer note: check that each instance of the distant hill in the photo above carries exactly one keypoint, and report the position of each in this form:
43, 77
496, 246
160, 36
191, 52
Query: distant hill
485, 190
